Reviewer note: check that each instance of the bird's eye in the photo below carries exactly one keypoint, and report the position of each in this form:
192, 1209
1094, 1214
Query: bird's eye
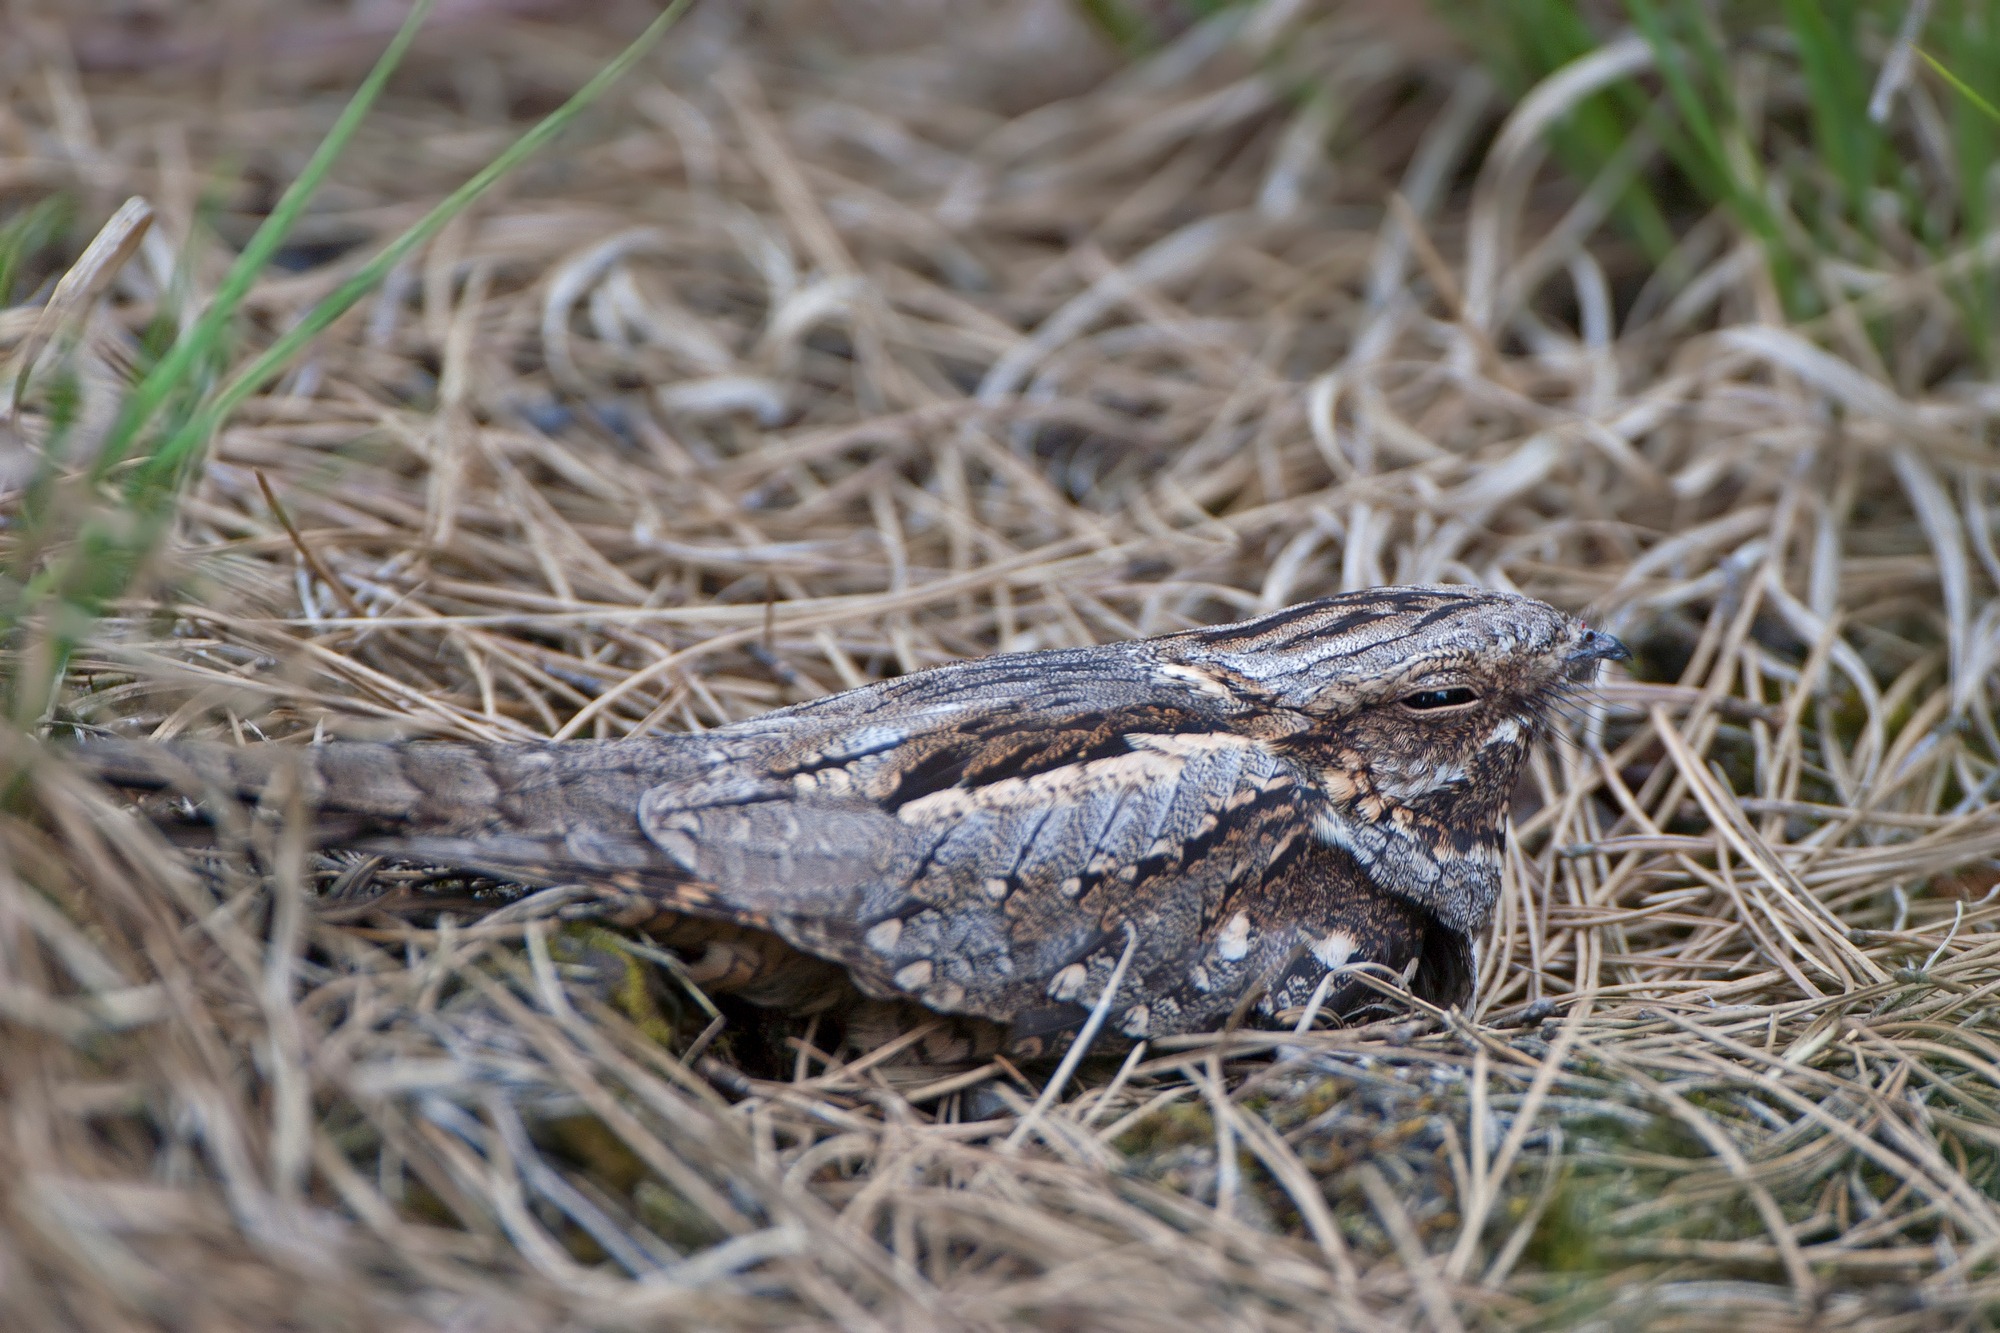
1425, 700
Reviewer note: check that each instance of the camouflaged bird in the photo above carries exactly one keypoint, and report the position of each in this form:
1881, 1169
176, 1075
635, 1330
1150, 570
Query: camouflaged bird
1248, 808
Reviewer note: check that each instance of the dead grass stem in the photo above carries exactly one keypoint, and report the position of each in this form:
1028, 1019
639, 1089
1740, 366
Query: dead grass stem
792, 370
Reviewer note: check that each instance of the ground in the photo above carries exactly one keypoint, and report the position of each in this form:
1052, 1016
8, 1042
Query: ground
845, 338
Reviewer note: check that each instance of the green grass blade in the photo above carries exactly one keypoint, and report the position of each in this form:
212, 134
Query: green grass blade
188, 352
31, 231
1961, 87
1525, 41
1968, 32
1706, 105
1827, 36
80, 555
181, 447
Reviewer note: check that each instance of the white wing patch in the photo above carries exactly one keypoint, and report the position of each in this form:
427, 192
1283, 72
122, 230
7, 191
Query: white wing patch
1334, 950
1232, 942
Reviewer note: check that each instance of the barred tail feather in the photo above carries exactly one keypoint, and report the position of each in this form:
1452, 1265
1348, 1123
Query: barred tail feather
537, 813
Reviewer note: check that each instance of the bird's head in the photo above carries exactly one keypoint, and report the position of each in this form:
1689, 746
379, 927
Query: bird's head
1419, 706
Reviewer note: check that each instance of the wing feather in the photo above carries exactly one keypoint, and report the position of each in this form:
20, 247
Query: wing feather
964, 836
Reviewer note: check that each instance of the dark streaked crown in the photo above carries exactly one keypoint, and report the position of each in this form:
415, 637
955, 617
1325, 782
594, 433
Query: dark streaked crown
1361, 646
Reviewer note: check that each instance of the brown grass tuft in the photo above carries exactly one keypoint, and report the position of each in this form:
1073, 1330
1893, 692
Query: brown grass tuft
852, 338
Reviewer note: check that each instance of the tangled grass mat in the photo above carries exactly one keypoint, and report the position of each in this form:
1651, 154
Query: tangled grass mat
845, 339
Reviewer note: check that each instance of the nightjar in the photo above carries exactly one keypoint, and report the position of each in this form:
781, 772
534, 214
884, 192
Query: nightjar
1243, 814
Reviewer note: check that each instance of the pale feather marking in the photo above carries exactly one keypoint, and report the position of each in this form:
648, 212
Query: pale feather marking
1200, 680
1140, 768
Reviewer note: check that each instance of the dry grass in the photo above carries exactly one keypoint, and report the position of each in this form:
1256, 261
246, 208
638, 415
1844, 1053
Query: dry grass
837, 345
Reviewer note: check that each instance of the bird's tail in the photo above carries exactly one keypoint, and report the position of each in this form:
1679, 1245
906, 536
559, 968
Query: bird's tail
537, 813
389, 786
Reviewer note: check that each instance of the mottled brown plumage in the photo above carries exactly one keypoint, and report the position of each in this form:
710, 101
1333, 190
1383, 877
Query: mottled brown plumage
1249, 807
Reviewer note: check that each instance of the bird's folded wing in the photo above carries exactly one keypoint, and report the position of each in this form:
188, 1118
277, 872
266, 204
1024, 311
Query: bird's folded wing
986, 859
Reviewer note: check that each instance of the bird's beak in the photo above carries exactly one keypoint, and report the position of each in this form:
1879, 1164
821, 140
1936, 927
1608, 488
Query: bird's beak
1596, 646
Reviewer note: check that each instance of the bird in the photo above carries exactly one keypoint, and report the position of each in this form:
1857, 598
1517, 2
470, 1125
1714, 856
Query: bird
1221, 824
